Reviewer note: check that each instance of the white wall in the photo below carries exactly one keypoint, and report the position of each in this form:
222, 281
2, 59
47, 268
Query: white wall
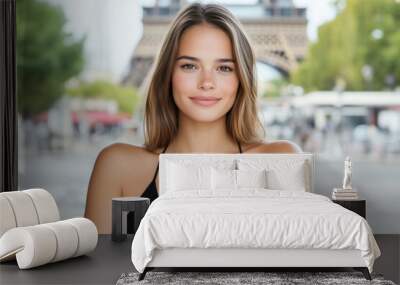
377, 182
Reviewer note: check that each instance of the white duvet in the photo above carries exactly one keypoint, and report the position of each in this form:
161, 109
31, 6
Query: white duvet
251, 218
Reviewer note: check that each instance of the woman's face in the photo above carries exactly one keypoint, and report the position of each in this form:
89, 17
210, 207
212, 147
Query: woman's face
204, 78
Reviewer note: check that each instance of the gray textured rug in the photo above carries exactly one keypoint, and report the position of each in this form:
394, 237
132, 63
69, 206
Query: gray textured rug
229, 278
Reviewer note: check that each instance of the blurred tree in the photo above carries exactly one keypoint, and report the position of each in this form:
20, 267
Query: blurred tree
47, 56
361, 46
126, 97
275, 88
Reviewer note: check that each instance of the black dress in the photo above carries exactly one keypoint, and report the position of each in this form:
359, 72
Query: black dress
151, 190
151, 193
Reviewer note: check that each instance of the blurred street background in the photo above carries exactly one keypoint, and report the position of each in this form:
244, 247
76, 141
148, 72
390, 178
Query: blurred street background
328, 79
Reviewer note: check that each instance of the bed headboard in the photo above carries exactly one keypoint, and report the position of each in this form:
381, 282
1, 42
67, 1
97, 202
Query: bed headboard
281, 162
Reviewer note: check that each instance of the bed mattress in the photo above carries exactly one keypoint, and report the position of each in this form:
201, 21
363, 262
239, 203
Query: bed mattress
253, 218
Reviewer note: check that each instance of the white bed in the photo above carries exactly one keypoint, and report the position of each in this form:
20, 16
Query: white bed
203, 220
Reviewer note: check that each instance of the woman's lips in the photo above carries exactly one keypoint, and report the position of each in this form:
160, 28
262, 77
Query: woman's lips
204, 101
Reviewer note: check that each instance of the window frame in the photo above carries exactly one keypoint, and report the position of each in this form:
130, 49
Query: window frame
8, 98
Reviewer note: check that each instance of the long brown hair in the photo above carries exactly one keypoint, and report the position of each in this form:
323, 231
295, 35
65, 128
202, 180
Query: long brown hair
161, 113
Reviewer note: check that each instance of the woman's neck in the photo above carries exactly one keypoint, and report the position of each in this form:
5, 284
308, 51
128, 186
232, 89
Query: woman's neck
202, 137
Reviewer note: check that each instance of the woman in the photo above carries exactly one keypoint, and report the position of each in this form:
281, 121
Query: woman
201, 98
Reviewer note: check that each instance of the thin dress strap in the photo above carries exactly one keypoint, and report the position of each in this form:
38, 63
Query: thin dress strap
240, 148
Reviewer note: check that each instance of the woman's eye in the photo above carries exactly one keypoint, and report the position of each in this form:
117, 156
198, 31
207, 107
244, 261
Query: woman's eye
188, 66
225, 68
192, 67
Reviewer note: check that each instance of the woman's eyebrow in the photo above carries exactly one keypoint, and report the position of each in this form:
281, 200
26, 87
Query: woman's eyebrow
196, 59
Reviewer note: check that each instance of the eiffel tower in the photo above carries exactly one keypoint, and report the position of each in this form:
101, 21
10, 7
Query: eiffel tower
276, 29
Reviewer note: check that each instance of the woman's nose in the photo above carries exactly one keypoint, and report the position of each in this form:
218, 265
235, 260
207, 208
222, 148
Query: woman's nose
206, 81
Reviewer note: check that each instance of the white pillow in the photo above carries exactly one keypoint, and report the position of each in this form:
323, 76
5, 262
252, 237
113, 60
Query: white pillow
223, 178
236, 179
251, 178
181, 177
293, 180
282, 174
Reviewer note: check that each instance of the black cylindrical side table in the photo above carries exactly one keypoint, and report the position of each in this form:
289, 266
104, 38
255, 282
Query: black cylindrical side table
121, 206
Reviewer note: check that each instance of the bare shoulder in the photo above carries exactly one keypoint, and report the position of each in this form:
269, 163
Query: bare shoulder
122, 152
280, 146
127, 155
130, 163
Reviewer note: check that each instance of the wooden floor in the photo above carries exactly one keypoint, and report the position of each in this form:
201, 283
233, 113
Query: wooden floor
111, 259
